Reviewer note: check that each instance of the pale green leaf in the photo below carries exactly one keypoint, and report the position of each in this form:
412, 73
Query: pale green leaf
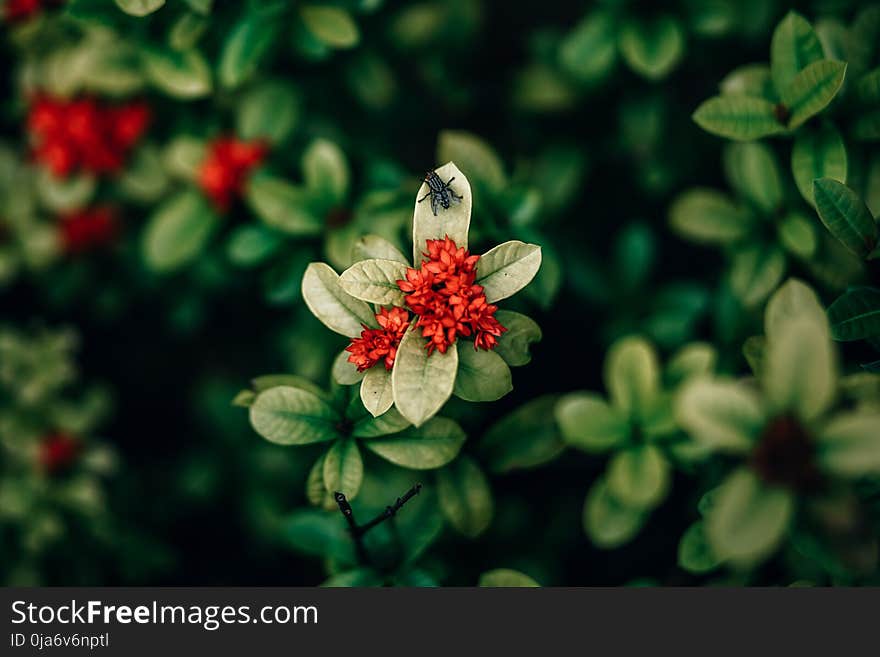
526, 438
638, 476
474, 155
387, 423
632, 376
325, 171
268, 112
331, 25
178, 231
482, 375
793, 47
811, 90
695, 555
723, 415
607, 522
343, 468
817, 153
244, 48
293, 416
589, 50
738, 117
422, 382
588, 422
371, 247
430, 446
798, 235
748, 520
707, 216
376, 390
182, 74
849, 444
652, 48
754, 172
750, 80
336, 308
453, 221
508, 268
139, 8
344, 372
375, 281
755, 273
282, 206
505, 577
792, 300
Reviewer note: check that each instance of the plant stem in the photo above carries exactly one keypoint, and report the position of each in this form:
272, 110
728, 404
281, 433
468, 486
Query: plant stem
357, 531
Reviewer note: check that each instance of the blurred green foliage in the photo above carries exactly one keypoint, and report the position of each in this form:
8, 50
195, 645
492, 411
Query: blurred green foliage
702, 180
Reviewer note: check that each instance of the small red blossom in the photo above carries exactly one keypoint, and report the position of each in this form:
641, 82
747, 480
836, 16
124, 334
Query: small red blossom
375, 345
15, 11
83, 230
84, 134
225, 170
447, 301
58, 451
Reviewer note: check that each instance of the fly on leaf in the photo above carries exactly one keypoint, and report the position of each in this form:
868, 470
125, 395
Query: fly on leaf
442, 195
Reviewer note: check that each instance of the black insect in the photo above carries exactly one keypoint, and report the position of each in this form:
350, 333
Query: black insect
440, 192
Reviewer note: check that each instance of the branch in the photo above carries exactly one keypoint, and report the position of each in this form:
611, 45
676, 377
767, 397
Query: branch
357, 531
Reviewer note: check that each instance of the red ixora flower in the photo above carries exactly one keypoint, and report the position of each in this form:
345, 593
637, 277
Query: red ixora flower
15, 11
58, 451
379, 344
82, 230
225, 169
448, 303
84, 134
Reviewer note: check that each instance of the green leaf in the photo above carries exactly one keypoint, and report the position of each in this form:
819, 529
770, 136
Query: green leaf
652, 49
331, 25
607, 522
794, 46
590, 423
371, 247
453, 221
526, 438
522, 332
430, 446
243, 50
267, 381
800, 368
465, 496
250, 245
505, 577
867, 89
694, 552
748, 520
632, 377
750, 80
293, 416
755, 273
754, 172
183, 156
638, 476
589, 50
482, 375
723, 415
709, 217
375, 281
817, 154
343, 468
325, 171
336, 308
316, 491
855, 315
692, 360
738, 117
65, 194
473, 154
139, 8
181, 74
798, 235
849, 444
421, 382
320, 534
358, 578
845, 216
792, 300
508, 268
344, 372
370, 427
178, 231
811, 90
282, 206
377, 394
268, 112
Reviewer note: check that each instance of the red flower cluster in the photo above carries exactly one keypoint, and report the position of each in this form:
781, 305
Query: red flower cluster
21, 10
84, 134
82, 230
448, 303
58, 452
225, 170
379, 344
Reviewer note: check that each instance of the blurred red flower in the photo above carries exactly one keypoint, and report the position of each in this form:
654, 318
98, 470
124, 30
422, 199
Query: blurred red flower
84, 134
225, 170
58, 451
82, 230
379, 344
448, 303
